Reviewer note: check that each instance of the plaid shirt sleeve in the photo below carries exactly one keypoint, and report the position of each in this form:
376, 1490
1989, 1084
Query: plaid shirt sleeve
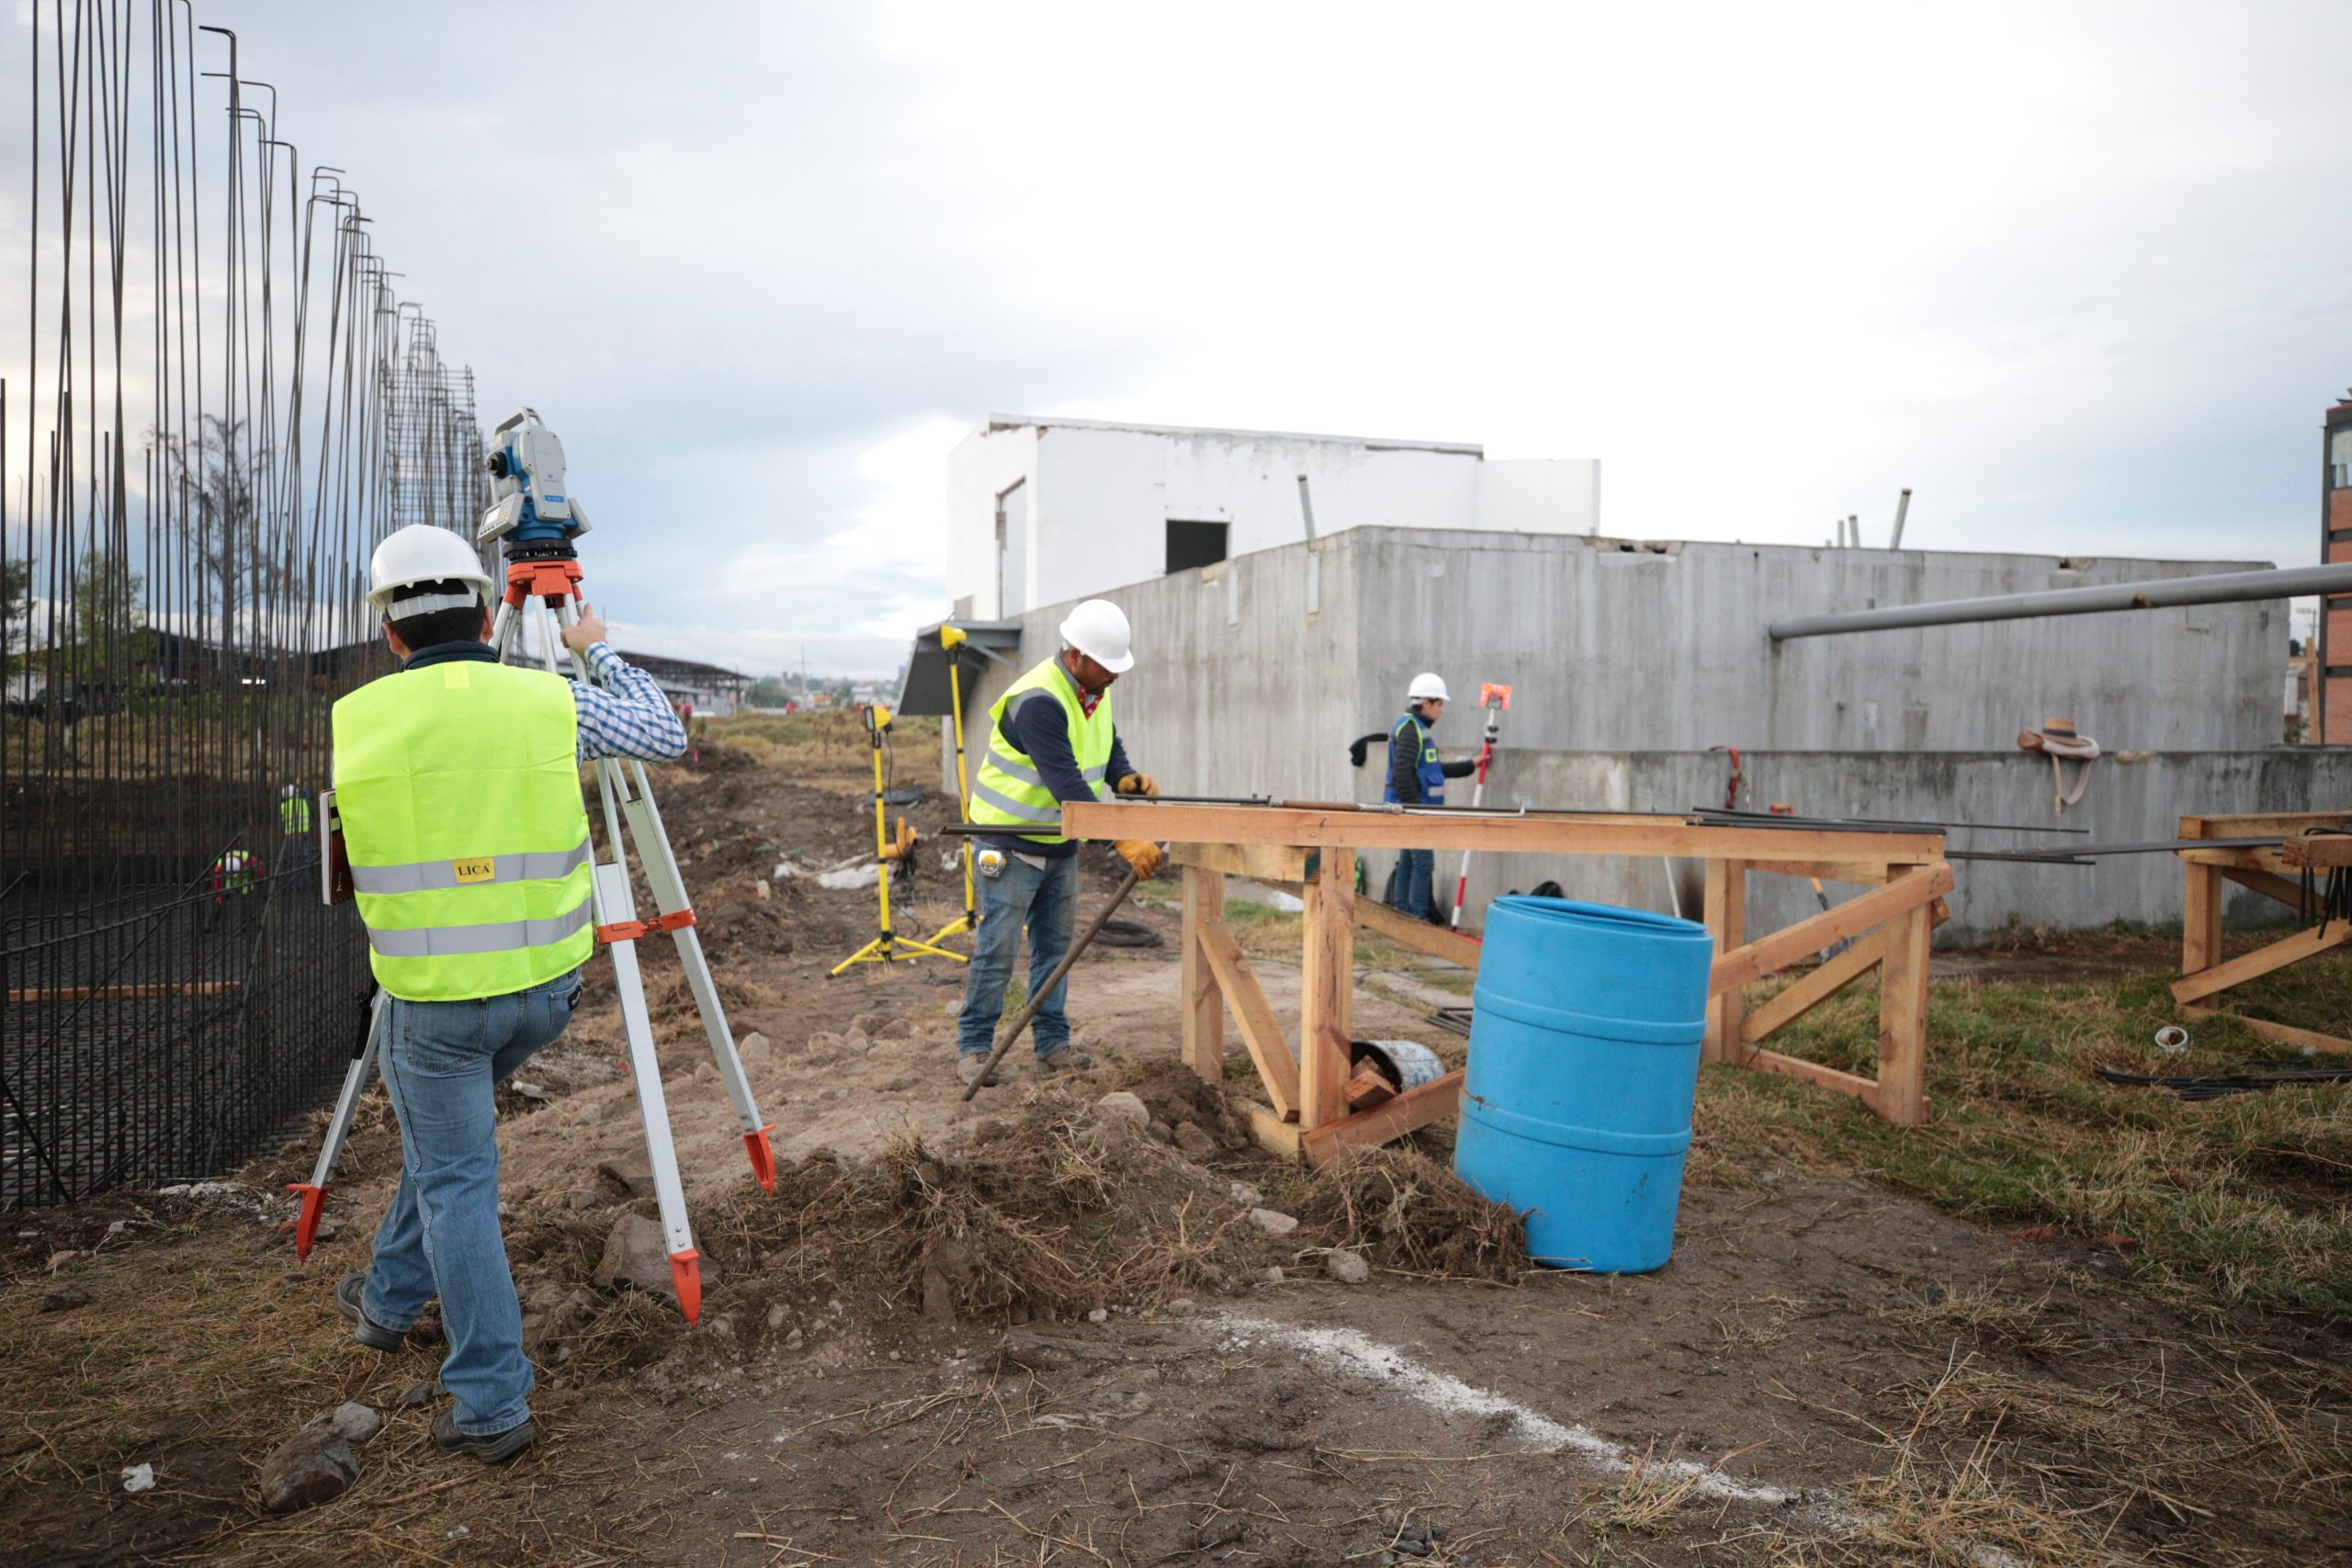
624, 714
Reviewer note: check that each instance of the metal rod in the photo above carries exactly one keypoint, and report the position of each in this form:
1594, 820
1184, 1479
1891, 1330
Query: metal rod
2216, 588
1902, 510
1062, 971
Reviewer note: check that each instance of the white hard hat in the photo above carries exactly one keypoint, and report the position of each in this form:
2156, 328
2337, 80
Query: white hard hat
292, 790
422, 553
1098, 629
1427, 685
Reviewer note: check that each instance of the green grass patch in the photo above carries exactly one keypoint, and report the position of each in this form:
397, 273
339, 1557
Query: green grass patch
2240, 1201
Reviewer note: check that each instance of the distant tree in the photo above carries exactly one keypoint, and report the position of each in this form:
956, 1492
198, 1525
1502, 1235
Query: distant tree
214, 481
16, 611
108, 627
768, 693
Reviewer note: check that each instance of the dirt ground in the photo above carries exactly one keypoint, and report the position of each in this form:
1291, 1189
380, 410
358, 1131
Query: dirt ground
1000, 1332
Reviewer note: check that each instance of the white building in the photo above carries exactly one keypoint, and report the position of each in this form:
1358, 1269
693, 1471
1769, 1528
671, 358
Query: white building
1042, 510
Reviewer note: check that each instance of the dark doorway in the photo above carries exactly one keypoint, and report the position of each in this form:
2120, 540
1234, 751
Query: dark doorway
1194, 544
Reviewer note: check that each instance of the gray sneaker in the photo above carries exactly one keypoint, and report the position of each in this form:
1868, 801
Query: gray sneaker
370, 1332
1065, 1061
496, 1448
969, 1067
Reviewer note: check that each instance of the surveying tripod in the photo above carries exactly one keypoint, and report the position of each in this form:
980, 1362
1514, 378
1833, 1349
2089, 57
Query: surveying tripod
950, 639
889, 855
547, 578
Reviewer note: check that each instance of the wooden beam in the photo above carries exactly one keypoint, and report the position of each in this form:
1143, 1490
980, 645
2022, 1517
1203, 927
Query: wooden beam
1260, 862
1902, 1096
1260, 1032
2200, 917
1368, 1088
1726, 913
1204, 999
1275, 1135
1861, 1087
2251, 860
1802, 994
1395, 925
2255, 825
39, 994
1529, 835
1326, 989
2283, 1033
1736, 967
2268, 884
1385, 1123
2319, 851
1863, 873
2262, 960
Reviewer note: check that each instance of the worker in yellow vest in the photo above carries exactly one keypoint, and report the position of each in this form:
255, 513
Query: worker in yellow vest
294, 816
457, 788
1050, 739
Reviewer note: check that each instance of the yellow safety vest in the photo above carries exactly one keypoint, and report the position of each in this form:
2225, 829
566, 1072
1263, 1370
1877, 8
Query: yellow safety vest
1008, 792
459, 791
295, 812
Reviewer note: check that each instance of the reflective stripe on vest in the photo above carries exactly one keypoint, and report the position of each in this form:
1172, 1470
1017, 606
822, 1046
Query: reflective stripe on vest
1008, 791
458, 790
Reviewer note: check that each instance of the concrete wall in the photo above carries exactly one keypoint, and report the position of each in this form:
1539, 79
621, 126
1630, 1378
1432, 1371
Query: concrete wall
1099, 498
2127, 802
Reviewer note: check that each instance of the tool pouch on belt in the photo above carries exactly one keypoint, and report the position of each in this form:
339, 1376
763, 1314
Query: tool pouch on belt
335, 884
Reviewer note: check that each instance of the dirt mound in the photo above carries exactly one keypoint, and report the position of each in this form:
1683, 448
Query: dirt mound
670, 1002
1406, 1212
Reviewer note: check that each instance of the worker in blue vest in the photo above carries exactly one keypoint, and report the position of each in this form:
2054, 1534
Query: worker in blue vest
1415, 777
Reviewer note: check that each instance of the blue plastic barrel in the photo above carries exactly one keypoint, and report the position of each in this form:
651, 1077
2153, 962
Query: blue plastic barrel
1584, 1060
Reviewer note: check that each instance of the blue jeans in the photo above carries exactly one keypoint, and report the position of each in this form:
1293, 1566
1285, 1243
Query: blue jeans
440, 1061
1416, 871
1047, 903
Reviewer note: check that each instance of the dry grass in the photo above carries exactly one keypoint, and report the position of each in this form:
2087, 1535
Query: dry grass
830, 748
1406, 1212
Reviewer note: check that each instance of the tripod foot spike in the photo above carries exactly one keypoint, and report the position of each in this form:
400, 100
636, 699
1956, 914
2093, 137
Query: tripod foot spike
306, 1223
763, 1156
685, 1273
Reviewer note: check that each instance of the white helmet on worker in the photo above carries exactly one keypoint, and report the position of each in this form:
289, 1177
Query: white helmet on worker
291, 791
1426, 685
1098, 629
422, 553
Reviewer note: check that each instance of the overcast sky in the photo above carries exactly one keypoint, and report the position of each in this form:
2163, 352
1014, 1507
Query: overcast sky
2080, 274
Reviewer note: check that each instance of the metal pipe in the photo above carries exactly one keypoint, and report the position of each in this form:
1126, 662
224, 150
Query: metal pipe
2218, 588
1902, 510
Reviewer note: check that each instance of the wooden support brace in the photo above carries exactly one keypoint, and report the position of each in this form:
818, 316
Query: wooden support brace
1385, 1123
1861, 1089
2283, 1033
1902, 1096
1801, 997
1327, 988
1274, 1135
1203, 998
1259, 863
2268, 884
2262, 960
1739, 965
1395, 925
1727, 912
1368, 1088
1260, 1032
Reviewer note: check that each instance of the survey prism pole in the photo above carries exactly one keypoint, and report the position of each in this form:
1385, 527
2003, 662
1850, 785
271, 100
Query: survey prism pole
1494, 699
950, 639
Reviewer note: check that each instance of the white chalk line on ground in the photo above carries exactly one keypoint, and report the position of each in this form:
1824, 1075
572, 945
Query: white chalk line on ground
1356, 1354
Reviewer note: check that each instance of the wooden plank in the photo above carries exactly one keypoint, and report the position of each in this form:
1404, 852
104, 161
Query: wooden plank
2262, 960
2319, 851
1368, 1088
1275, 1135
1902, 1096
1260, 862
2268, 884
1204, 999
1861, 1087
1395, 925
1326, 989
1801, 996
1260, 1032
2250, 859
2200, 917
1740, 966
2284, 1033
1391, 1120
2253, 825
1727, 912
1863, 873
1531, 835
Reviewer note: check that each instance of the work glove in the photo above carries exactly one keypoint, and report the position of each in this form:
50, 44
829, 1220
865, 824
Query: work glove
1138, 784
1143, 856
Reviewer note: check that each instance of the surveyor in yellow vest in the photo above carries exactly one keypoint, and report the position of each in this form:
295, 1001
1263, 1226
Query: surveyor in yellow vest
458, 789
1050, 739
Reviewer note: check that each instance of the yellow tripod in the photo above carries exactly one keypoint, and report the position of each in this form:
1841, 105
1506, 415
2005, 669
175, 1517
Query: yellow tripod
890, 854
950, 639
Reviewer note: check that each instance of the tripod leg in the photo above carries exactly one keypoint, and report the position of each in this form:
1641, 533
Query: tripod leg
652, 845
354, 1083
645, 1068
